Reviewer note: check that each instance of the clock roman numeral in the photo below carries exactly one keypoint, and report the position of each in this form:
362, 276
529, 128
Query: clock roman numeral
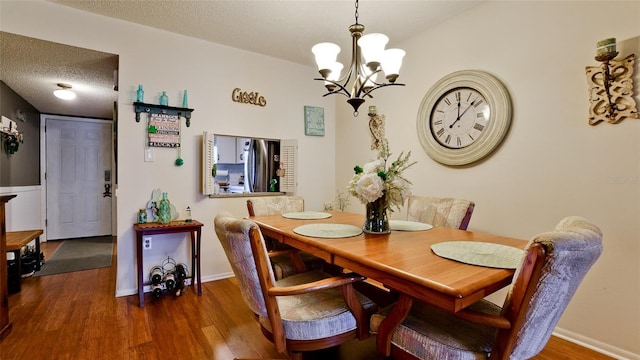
457, 95
458, 141
476, 104
440, 132
478, 127
446, 100
447, 139
437, 122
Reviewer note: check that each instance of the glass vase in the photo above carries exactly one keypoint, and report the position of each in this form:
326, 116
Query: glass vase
164, 99
140, 94
164, 210
376, 221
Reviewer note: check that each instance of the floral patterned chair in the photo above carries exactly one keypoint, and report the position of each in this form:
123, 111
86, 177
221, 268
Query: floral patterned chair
304, 312
437, 211
289, 262
554, 265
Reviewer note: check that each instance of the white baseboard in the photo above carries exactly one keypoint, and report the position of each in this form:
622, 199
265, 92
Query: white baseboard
595, 345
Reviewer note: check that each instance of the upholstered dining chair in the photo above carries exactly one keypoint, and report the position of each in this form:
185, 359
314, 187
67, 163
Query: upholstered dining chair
303, 312
289, 262
440, 211
552, 269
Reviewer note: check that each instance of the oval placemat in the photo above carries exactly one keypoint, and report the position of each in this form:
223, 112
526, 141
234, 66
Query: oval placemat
307, 215
324, 230
403, 225
480, 253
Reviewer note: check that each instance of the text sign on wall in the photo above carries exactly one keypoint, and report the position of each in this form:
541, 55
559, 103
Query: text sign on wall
245, 97
164, 130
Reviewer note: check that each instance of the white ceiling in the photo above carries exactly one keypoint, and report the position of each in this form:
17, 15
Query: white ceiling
33, 68
282, 29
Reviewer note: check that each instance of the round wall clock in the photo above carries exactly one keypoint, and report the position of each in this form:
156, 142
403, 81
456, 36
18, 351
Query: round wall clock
464, 117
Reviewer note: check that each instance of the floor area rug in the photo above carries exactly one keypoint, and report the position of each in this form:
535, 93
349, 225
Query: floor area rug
79, 254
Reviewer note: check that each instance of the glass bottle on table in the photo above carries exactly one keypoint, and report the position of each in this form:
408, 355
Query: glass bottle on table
142, 216
164, 210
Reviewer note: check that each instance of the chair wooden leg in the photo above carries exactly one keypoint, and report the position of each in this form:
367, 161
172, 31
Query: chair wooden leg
295, 355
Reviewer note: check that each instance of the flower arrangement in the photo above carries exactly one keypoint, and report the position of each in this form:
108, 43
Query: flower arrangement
382, 178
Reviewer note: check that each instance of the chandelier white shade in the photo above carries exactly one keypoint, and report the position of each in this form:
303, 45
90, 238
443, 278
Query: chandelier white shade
64, 92
368, 59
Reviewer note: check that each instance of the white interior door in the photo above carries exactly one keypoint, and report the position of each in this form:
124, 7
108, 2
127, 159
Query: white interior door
78, 161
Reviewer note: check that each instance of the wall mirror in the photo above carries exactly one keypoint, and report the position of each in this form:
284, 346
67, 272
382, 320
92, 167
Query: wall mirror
242, 164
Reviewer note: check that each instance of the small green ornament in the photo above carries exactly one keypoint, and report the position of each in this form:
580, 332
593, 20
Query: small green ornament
179, 162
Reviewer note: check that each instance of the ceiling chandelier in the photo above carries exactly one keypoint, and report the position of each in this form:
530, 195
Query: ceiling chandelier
368, 59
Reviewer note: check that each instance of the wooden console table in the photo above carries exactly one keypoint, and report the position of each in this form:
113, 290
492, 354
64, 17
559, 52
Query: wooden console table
194, 228
5, 324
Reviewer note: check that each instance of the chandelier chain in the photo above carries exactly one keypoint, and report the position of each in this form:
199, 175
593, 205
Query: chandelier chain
356, 11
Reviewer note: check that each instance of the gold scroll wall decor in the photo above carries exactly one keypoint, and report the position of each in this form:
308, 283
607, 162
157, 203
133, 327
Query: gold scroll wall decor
611, 90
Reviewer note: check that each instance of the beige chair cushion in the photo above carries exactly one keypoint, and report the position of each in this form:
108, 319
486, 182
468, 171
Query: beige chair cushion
316, 315
309, 316
571, 249
445, 212
429, 333
276, 205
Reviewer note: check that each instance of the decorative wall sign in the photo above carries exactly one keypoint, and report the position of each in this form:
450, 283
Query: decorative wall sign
164, 130
245, 97
313, 121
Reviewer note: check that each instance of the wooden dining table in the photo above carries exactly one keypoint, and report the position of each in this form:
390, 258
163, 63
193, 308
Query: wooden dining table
402, 261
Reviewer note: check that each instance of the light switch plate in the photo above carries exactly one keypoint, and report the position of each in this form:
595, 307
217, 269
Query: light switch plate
148, 154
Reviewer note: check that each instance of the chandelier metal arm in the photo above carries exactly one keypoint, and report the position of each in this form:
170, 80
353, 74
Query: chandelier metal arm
379, 86
340, 90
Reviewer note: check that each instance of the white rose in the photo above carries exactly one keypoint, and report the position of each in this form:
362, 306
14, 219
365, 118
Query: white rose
370, 187
372, 167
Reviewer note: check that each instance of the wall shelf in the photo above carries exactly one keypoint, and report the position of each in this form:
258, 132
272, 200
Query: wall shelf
140, 107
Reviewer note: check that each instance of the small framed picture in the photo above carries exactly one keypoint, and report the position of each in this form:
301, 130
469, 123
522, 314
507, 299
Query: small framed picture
313, 121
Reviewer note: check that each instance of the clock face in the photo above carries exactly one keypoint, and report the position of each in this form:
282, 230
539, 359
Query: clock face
464, 117
459, 117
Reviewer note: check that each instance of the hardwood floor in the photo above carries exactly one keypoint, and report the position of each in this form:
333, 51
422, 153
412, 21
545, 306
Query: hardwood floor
77, 316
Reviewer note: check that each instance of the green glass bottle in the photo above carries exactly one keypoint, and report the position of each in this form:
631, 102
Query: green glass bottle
164, 210
164, 99
140, 94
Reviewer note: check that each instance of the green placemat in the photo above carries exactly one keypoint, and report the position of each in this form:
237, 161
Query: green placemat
480, 253
404, 225
328, 230
307, 215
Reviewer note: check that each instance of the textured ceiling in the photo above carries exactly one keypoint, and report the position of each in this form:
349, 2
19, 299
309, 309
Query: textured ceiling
282, 29
33, 68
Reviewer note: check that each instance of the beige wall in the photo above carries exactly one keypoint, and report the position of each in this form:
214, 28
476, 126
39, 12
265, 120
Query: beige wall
164, 61
552, 163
